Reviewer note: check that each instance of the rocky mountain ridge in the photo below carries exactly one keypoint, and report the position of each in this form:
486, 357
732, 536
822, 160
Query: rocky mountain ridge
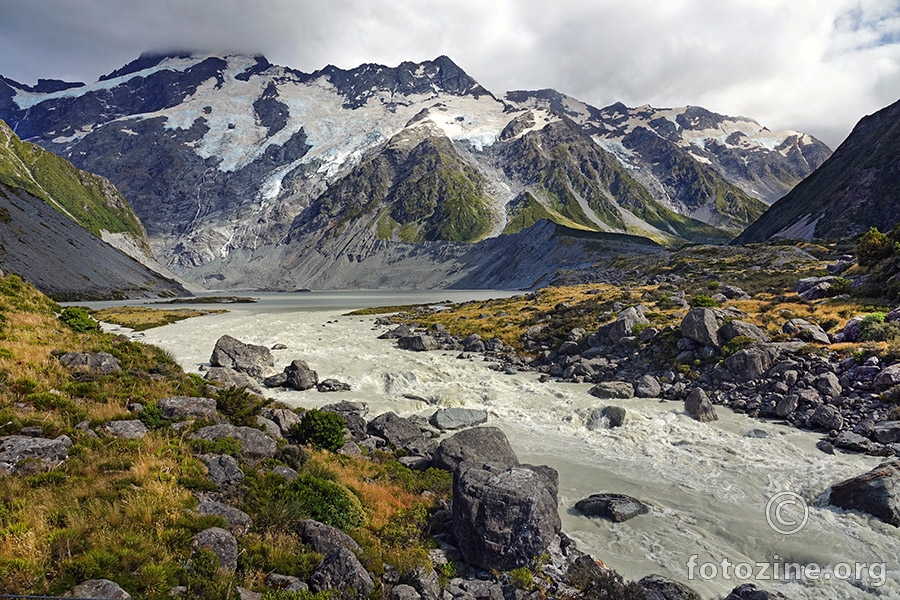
230, 159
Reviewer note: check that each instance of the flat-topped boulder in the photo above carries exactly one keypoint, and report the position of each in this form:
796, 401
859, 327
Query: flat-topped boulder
179, 408
476, 445
448, 419
94, 363
15, 449
616, 507
876, 493
255, 445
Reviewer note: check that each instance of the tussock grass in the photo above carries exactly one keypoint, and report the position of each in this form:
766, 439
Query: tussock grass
141, 318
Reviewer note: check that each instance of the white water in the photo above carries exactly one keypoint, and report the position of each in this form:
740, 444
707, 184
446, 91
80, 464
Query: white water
707, 483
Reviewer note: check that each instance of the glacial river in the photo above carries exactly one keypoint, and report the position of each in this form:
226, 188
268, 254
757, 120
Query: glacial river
708, 484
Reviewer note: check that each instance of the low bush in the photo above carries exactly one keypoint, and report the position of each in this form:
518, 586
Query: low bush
320, 429
78, 319
702, 300
240, 406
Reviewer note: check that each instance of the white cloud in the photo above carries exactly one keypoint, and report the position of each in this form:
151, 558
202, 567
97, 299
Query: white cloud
813, 65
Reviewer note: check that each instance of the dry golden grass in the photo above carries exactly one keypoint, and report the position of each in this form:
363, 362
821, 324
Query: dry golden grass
141, 318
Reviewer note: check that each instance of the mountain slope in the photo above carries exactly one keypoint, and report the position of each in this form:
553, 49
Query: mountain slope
857, 188
228, 159
52, 221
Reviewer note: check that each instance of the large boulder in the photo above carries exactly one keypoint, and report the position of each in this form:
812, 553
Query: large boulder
735, 328
398, 432
701, 325
698, 407
806, 331
353, 414
607, 390
178, 408
255, 361
127, 430
503, 519
647, 386
889, 376
97, 363
100, 589
752, 362
228, 377
876, 493
419, 343
255, 445
15, 449
748, 591
300, 376
284, 419
324, 538
223, 470
221, 543
617, 507
663, 588
479, 445
448, 419
887, 432
238, 521
341, 570
623, 325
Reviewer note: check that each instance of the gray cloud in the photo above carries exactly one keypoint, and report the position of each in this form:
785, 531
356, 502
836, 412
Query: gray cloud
811, 65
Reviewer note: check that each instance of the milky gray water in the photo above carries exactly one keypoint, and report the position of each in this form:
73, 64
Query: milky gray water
707, 483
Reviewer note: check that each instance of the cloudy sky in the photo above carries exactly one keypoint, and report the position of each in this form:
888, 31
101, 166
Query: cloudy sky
812, 65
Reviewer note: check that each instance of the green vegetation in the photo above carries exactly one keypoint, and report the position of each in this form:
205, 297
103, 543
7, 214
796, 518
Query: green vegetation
320, 429
873, 247
89, 200
703, 300
141, 318
124, 509
78, 319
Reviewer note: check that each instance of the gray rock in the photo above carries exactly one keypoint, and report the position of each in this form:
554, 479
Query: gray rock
478, 445
567, 348
404, 592
398, 332
851, 331
732, 292
885, 432
275, 381
748, 591
255, 361
698, 406
700, 325
810, 282
890, 376
352, 413
178, 408
239, 522
269, 427
876, 493
663, 588
99, 363
221, 543
333, 385
448, 419
829, 385
817, 292
223, 470
419, 343
245, 594
806, 331
503, 519
607, 416
398, 432
617, 507
300, 376
752, 362
786, 406
735, 328
424, 581
100, 589
16, 448
474, 343
827, 417
647, 387
127, 430
227, 377
255, 445
853, 442
341, 570
612, 389
283, 418
323, 538
288, 583
286, 472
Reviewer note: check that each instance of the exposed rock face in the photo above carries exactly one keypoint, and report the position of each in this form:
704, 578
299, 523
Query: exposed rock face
503, 519
221, 543
100, 589
99, 363
701, 326
229, 377
735, 328
478, 445
617, 507
397, 431
223, 470
255, 361
341, 570
623, 325
699, 407
806, 331
300, 376
17, 448
876, 493
255, 445
177, 408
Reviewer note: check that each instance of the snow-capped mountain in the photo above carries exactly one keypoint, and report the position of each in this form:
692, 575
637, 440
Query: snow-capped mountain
246, 173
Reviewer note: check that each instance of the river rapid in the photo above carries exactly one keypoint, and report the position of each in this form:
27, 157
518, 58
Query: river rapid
708, 484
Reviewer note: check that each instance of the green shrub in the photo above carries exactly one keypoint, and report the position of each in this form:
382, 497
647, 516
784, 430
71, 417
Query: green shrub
522, 578
736, 343
320, 429
78, 319
152, 417
873, 247
704, 301
301, 595
226, 445
293, 456
839, 287
325, 501
240, 406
